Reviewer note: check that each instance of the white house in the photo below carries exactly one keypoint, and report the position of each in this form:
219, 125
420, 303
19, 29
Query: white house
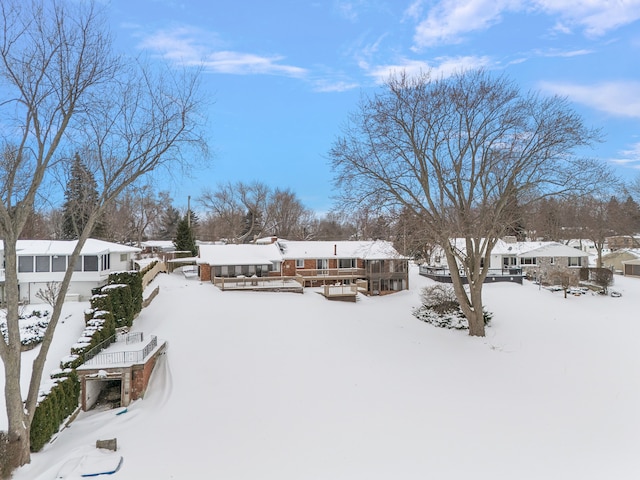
44, 261
510, 257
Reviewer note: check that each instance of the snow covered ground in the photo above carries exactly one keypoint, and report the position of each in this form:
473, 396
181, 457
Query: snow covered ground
259, 385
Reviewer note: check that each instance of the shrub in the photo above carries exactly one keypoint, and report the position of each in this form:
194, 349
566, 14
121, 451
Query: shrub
441, 308
53, 408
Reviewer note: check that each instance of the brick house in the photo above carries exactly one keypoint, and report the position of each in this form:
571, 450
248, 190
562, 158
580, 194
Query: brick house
375, 265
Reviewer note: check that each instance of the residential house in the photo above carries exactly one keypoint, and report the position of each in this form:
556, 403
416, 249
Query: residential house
510, 260
377, 263
616, 259
246, 260
41, 262
623, 241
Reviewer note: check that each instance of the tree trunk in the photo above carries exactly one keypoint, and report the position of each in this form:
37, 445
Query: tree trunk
476, 316
18, 438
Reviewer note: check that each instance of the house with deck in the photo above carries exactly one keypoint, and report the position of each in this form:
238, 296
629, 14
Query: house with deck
376, 263
374, 266
511, 260
42, 262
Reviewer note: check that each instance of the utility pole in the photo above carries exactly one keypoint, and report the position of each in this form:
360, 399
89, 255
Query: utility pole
189, 212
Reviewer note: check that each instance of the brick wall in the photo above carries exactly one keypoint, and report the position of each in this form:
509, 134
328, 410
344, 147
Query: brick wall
205, 272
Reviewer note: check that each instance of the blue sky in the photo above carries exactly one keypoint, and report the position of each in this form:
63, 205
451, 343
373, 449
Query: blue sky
283, 75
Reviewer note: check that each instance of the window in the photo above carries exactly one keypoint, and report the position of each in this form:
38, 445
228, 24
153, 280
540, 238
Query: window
552, 260
509, 261
124, 257
299, 262
528, 261
347, 263
575, 261
25, 264
90, 263
322, 264
58, 263
105, 262
43, 263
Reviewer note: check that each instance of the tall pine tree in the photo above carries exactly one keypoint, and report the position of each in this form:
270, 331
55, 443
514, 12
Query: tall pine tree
81, 197
185, 240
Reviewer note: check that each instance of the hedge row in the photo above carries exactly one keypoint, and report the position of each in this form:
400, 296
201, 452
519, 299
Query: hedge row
54, 408
114, 305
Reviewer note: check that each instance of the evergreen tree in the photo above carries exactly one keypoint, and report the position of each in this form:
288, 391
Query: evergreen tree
169, 220
81, 197
185, 240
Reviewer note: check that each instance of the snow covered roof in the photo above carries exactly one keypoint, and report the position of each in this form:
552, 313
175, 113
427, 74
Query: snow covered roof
159, 244
219, 255
554, 250
65, 247
367, 250
529, 249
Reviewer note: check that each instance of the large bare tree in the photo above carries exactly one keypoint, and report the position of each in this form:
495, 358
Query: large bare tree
241, 212
63, 89
463, 153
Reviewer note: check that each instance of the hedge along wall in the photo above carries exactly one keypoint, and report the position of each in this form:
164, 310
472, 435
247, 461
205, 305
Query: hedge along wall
54, 407
134, 280
112, 306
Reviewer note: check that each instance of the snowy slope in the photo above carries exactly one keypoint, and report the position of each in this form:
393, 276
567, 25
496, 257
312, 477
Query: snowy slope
289, 386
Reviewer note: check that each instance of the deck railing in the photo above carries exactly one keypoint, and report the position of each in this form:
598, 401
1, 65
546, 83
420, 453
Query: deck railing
331, 272
443, 274
109, 358
242, 282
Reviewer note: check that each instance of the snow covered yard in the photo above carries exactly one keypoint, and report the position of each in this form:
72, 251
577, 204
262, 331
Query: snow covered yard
260, 385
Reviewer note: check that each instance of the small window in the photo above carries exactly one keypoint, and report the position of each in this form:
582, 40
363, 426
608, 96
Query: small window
124, 257
575, 261
25, 264
528, 261
90, 263
299, 262
58, 263
552, 260
347, 263
43, 263
105, 262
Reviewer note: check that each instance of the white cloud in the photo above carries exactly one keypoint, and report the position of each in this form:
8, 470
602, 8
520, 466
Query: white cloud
191, 46
616, 98
441, 67
449, 20
596, 17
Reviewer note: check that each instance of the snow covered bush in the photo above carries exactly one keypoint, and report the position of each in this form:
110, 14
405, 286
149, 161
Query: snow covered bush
32, 327
441, 308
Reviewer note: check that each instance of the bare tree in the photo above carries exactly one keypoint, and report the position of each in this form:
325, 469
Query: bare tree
241, 212
564, 276
458, 152
63, 87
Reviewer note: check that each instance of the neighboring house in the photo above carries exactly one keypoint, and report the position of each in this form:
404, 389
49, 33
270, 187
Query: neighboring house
616, 260
41, 262
228, 261
376, 264
623, 241
631, 268
510, 259
322, 262
589, 247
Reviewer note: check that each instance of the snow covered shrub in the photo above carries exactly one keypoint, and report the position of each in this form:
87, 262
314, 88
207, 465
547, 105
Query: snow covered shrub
441, 308
32, 328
